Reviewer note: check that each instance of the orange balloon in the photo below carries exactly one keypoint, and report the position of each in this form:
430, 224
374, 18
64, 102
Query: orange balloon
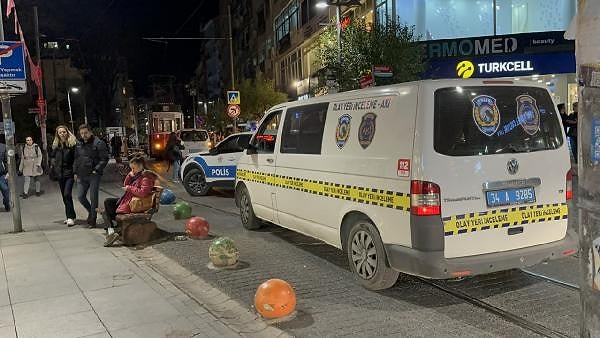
275, 298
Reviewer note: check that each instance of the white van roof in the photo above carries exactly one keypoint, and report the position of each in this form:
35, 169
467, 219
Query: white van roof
386, 90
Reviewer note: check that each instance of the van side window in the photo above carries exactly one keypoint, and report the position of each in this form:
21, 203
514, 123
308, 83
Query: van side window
266, 135
303, 129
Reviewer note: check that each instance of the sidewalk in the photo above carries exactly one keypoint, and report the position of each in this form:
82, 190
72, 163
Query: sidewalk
63, 283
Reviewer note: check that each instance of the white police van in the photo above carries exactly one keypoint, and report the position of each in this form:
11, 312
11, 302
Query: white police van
439, 179
216, 168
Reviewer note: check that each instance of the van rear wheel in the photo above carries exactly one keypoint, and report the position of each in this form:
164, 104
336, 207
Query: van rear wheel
249, 219
367, 258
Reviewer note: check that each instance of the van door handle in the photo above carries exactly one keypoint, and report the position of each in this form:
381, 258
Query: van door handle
515, 231
270, 160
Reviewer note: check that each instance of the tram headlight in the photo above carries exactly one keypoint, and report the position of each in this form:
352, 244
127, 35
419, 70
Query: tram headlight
157, 146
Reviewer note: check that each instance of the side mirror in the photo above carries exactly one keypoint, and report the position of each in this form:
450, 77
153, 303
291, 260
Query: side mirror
251, 150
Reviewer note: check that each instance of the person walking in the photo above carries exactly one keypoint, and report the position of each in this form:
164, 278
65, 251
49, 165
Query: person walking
571, 122
115, 144
91, 157
31, 166
4, 188
174, 155
61, 168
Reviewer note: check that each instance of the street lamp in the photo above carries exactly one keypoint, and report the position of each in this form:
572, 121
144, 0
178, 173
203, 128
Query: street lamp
75, 90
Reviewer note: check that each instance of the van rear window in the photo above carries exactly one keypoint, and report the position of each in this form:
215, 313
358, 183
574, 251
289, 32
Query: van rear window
488, 120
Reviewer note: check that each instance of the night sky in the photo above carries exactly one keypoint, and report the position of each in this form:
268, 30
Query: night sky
117, 27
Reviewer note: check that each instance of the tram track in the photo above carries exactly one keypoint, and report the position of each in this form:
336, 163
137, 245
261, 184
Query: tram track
555, 281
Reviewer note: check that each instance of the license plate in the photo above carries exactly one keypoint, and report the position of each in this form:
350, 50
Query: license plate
510, 197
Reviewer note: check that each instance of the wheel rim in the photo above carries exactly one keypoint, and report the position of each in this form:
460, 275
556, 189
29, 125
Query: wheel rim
364, 254
244, 209
197, 183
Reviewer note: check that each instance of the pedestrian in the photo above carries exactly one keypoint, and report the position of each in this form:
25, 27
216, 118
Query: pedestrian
31, 166
139, 183
562, 111
91, 157
4, 188
115, 144
174, 155
572, 132
61, 168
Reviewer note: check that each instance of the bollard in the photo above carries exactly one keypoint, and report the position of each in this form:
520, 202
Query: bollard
275, 298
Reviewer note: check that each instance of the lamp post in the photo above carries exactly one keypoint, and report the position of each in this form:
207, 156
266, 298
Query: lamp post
74, 90
338, 4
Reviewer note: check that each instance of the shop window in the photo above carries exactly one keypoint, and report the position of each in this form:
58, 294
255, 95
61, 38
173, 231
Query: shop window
522, 16
303, 129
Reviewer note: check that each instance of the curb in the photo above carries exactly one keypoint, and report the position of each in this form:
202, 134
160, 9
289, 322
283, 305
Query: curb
227, 310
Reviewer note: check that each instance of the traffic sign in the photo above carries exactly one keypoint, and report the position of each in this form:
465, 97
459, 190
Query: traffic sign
233, 97
13, 77
233, 110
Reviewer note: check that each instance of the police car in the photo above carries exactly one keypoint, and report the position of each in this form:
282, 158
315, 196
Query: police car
216, 168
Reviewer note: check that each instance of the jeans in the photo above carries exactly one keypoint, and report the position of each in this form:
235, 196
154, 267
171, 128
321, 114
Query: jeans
574, 147
4, 188
66, 190
110, 208
91, 183
176, 167
38, 185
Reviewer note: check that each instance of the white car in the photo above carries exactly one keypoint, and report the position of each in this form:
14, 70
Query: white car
195, 141
216, 168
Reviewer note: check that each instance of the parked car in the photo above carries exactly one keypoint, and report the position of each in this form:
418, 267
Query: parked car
195, 141
201, 171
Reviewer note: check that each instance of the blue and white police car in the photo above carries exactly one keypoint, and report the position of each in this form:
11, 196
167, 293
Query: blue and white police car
200, 172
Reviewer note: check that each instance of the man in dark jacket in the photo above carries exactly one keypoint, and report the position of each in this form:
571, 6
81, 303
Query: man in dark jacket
91, 157
4, 188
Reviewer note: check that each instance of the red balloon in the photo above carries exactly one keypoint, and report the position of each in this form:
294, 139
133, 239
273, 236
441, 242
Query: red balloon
197, 227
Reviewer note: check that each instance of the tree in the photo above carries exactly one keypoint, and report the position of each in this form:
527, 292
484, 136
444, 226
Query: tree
257, 96
390, 44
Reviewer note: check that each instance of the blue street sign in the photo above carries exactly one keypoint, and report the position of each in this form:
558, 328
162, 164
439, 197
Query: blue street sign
233, 97
13, 76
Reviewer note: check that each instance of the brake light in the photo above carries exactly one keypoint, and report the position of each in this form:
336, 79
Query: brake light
459, 274
569, 252
569, 188
425, 198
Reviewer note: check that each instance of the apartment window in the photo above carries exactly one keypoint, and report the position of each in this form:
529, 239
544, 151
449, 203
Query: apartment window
287, 21
303, 129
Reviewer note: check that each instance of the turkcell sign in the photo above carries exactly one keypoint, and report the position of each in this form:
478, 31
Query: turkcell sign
502, 67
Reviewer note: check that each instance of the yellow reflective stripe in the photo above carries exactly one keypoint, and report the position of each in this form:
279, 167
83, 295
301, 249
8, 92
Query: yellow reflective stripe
503, 218
379, 197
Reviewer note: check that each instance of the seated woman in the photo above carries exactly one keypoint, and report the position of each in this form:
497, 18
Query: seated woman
138, 183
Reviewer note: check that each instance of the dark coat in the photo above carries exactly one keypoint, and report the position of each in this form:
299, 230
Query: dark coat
63, 159
90, 156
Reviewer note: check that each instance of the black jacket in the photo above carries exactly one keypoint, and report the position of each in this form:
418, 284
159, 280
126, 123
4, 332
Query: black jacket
3, 160
63, 159
90, 156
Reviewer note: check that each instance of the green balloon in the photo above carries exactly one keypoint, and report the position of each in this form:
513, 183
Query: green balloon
223, 252
182, 210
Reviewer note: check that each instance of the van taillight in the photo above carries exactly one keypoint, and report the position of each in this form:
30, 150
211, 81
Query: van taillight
424, 198
569, 185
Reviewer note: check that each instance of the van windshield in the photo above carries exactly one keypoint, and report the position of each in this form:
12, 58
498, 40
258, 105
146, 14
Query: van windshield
486, 120
194, 135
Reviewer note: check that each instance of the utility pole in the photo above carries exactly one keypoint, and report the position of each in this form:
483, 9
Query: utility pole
231, 60
588, 62
41, 101
9, 133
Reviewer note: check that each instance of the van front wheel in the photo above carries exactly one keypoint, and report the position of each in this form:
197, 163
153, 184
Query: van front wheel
249, 219
367, 257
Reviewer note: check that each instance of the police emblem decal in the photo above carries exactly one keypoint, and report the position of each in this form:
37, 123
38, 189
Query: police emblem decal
342, 131
486, 114
366, 130
528, 114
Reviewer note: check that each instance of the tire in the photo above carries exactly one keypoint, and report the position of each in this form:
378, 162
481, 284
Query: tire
367, 257
247, 216
195, 184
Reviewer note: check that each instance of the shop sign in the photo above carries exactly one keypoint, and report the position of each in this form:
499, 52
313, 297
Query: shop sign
383, 71
527, 43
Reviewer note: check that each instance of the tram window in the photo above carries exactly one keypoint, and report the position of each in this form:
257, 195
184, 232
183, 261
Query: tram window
156, 126
178, 124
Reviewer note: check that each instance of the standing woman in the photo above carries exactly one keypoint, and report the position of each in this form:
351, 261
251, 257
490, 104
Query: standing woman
174, 155
61, 168
31, 166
